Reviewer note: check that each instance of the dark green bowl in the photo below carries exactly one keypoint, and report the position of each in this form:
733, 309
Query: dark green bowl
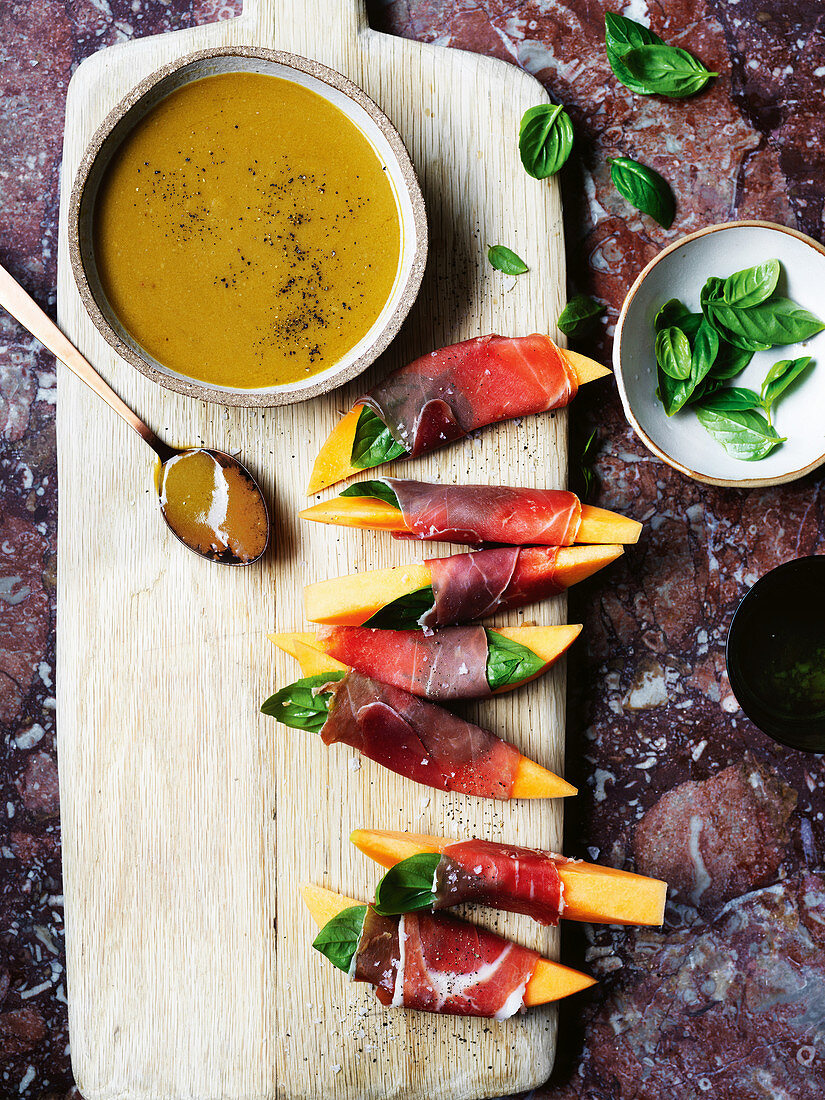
776, 654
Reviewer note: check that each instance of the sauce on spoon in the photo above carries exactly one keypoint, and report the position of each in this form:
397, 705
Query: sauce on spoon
213, 505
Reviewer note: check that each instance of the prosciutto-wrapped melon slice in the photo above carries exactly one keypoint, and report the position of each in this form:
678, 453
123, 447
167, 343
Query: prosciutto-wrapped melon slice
455, 589
456, 662
433, 962
448, 393
437, 871
411, 737
473, 514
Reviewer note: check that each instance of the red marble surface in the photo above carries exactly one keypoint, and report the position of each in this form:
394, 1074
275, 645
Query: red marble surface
727, 1000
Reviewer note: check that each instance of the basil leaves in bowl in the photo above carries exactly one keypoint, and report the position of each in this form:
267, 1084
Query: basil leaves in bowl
719, 355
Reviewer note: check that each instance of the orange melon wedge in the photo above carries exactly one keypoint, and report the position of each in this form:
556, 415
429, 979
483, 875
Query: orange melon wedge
598, 525
550, 981
547, 642
591, 893
353, 599
334, 461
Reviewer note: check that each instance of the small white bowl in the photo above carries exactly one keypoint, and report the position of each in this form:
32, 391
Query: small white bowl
680, 271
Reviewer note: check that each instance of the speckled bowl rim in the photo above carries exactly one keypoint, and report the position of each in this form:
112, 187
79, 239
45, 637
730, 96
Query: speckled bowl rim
253, 398
706, 479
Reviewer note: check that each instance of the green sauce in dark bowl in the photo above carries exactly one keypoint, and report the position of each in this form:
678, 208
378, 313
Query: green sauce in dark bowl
776, 654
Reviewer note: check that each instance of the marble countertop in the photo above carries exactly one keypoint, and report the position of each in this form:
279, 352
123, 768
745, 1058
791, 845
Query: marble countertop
727, 1000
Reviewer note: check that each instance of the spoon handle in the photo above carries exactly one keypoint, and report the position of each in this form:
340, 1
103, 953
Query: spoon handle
19, 304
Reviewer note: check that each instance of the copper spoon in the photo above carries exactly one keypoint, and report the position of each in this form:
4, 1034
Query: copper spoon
20, 305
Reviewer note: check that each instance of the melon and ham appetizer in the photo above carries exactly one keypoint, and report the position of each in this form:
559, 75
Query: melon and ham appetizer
411, 737
455, 589
455, 662
432, 871
473, 514
433, 962
447, 394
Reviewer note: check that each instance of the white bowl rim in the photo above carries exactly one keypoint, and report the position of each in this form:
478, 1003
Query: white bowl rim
725, 483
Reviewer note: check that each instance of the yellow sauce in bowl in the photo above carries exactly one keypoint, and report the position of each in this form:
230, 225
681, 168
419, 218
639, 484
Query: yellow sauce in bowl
246, 233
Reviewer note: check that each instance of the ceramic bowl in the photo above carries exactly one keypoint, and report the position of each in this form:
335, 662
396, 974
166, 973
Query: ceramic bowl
361, 110
680, 271
779, 618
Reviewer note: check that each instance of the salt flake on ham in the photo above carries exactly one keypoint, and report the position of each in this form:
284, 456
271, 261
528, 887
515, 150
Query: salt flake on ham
502, 876
447, 664
475, 514
400, 731
454, 391
436, 963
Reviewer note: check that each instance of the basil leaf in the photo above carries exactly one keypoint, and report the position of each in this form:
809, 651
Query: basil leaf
705, 350
779, 377
403, 613
673, 392
377, 489
620, 34
545, 139
671, 315
772, 322
730, 361
744, 433
339, 937
732, 399
644, 188
707, 386
408, 885
504, 259
658, 69
579, 316
374, 443
751, 286
302, 705
673, 353
509, 662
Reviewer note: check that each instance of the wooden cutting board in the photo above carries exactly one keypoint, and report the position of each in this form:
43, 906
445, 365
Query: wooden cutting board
188, 818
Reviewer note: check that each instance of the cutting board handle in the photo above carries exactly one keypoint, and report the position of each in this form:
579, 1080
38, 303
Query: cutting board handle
343, 18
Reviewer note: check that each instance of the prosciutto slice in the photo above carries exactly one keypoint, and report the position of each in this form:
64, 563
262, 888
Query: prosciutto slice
502, 876
476, 584
476, 514
448, 393
418, 739
446, 664
436, 963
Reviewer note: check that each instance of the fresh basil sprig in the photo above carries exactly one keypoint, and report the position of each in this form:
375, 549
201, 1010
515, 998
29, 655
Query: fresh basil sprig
509, 662
620, 35
744, 433
505, 260
302, 705
673, 353
643, 62
377, 489
665, 70
408, 885
545, 139
779, 377
579, 316
374, 443
405, 612
339, 937
644, 188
